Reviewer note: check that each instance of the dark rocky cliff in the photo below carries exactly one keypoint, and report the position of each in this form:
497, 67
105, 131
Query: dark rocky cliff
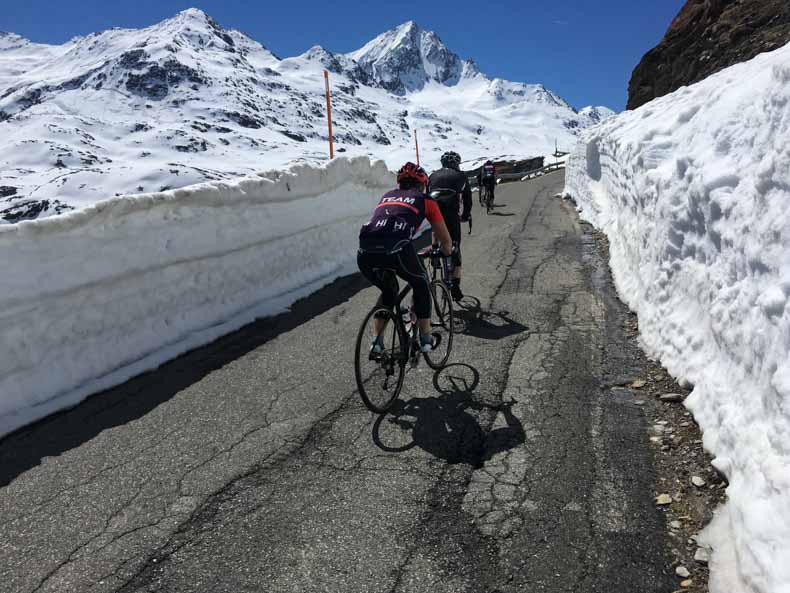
705, 37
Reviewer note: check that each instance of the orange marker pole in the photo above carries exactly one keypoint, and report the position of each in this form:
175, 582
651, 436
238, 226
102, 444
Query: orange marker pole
417, 147
329, 115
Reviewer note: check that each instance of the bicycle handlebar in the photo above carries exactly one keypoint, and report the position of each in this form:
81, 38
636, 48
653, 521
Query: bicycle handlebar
438, 259
431, 252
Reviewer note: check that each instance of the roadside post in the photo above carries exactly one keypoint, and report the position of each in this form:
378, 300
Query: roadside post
329, 115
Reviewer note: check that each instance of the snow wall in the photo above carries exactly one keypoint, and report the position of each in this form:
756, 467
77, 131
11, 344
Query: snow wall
693, 191
92, 298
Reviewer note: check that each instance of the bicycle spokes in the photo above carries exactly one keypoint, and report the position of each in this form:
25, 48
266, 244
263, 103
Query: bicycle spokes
441, 325
379, 375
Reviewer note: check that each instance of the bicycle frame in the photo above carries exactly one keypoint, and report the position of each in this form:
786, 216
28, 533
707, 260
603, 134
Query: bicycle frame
440, 270
439, 266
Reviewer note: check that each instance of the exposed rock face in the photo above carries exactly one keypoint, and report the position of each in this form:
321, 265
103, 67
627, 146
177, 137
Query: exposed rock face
705, 37
407, 57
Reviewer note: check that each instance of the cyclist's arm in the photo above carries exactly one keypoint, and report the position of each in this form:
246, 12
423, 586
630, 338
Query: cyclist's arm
440, 232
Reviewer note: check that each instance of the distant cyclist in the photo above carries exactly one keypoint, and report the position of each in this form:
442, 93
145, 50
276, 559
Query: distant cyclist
386, 248
450, 177
488, 178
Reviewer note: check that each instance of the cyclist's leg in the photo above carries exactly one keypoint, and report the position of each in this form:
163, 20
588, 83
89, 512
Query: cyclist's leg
454, 227
378, 269
412, 271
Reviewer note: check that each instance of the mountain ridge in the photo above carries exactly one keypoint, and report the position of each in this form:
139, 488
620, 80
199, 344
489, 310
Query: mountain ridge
184, 101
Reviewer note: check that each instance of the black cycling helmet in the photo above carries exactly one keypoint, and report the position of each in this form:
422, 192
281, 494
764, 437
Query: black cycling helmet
489, 162
451, 160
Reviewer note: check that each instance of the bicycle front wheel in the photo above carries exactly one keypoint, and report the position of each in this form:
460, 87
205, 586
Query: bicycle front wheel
380, 374
441, 326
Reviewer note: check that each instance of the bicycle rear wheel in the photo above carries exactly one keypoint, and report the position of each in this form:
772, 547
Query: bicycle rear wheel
441, 325
380, 375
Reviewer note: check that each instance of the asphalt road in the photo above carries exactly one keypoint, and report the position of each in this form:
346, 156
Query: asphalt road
252, 465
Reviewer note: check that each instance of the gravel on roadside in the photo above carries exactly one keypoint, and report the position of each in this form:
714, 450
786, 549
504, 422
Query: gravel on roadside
689, 489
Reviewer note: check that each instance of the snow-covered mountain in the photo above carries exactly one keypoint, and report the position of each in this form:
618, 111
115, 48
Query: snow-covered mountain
597, 113
408, 57
183, 101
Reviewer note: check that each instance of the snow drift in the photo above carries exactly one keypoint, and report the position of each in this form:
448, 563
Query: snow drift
93, 297
692, 190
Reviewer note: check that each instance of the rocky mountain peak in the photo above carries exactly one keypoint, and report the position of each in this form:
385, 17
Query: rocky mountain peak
405, 58
596, 113
11, 41
190, 16
470, 69
195, 27
336, 63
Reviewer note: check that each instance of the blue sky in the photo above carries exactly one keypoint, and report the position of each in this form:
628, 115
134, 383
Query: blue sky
584, 50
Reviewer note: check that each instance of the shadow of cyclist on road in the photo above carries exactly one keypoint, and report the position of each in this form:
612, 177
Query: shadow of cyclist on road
473, 321
444, 427
494, 211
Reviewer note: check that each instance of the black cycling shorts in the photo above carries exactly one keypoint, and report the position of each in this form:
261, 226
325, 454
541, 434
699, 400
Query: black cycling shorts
382, 268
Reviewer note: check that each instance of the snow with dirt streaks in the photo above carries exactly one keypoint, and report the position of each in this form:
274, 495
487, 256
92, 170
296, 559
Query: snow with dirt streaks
151, 276
692, 190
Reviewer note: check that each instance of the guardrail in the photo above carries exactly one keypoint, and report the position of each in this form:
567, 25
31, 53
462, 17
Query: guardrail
542, 171
523, 176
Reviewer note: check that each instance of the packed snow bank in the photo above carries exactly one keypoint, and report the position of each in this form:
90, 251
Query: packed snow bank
91, 298
693, 191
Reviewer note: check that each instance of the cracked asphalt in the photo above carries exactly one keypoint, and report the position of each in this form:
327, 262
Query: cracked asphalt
252, 465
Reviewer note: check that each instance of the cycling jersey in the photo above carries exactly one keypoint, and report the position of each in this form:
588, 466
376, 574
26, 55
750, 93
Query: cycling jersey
451, 208
397, 218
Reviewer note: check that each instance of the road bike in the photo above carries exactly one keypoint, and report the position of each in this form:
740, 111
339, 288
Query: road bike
380, 375
488, 198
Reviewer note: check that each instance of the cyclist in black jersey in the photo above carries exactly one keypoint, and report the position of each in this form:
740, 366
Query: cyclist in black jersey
386, 249
488, 178
451, 177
